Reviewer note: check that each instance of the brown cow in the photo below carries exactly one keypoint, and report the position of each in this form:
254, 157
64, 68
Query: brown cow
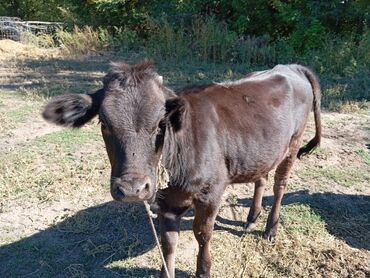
209, 136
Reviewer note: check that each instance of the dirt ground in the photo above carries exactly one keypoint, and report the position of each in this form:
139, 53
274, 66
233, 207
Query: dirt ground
57, 218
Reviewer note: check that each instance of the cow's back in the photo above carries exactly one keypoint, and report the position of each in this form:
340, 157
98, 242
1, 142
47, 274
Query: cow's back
245, 127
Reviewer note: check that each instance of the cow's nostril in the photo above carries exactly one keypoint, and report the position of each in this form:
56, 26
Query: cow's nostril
143, 188
120, 193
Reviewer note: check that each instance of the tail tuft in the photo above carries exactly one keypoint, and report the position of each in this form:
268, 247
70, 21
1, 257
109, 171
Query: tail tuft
308, 148
314, 142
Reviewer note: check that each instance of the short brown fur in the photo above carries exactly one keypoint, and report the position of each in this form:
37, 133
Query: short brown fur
209, 136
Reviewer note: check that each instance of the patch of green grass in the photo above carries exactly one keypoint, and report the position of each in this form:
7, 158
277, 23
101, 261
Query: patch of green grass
302, 219
348, 177
46, 91
53, 165
351, 176
69, 139
14, 108
365, 155
22, 113
7, 97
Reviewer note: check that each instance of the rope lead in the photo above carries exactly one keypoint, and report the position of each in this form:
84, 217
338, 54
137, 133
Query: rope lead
147, 207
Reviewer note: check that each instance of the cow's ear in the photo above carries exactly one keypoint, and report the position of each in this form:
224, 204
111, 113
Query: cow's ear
73, 110
175, 112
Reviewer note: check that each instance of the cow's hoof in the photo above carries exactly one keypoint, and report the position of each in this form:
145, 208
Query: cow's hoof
249, 227
270, 236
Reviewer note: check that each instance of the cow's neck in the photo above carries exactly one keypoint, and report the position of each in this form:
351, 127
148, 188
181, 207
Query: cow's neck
177, 156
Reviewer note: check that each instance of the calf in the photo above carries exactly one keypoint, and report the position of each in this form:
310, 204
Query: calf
208, 136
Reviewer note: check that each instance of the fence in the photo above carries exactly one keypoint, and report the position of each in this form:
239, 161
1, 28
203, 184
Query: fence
13, 27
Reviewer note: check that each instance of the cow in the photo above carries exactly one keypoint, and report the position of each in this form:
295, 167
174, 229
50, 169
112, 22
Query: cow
206, 136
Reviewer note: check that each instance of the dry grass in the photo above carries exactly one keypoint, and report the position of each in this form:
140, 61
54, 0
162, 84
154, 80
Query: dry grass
57, 220
14, 50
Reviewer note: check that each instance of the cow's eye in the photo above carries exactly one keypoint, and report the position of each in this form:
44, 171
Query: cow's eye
159, 136
160, 129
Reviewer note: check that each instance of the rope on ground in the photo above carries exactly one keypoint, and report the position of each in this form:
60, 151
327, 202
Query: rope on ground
147, 207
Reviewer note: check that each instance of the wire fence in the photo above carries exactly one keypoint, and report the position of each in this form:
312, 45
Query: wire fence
13, 27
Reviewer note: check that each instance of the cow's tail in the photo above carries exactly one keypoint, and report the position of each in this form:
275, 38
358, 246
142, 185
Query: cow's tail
314, 142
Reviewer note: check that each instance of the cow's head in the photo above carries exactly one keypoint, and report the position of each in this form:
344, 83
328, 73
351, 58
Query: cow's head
131, 109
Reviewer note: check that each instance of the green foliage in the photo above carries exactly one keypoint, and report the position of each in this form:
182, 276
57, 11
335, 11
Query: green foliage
299, 20
205, 40
308, 37
343, 61
30, 9
332, 37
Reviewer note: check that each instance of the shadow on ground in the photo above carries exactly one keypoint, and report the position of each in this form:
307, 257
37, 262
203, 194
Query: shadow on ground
83, 245
53, 76
347, 217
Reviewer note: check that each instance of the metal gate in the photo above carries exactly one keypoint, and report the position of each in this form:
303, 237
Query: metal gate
13, 27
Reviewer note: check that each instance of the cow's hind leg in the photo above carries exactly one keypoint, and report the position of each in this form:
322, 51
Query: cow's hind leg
205, 215
256, 207
173, 205
280, 183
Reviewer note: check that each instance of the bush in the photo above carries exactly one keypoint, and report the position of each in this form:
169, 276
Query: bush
204, 40
341, 61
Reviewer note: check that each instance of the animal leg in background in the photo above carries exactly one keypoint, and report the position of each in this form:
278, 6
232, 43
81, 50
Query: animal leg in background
255, 209
280, 183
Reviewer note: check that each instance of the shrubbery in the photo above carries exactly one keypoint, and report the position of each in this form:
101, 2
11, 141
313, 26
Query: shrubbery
332, 37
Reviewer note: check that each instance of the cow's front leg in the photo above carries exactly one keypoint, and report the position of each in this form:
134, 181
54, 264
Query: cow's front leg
205, 215
170, 228
173, 205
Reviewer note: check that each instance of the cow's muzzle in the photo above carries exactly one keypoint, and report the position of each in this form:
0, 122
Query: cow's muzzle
132, 189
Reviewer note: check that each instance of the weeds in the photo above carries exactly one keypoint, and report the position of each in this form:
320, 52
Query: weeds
41, 40
81, 41
342, 62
